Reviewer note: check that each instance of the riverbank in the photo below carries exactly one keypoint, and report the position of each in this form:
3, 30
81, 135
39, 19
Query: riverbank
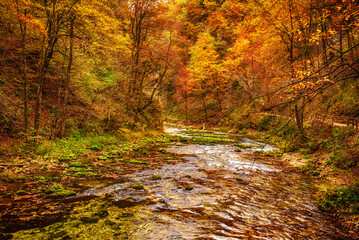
332, 184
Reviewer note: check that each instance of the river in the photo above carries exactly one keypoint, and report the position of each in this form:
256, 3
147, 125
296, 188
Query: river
219, 192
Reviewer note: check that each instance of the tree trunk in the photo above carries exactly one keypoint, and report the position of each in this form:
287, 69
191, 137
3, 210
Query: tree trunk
23, 29
205, 109
299, 117
341, 45
324, 44
219, 101
53, 23
38, 103
186, 107
68, 79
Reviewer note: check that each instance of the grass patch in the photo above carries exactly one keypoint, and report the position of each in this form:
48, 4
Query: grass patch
307, 167
111, 145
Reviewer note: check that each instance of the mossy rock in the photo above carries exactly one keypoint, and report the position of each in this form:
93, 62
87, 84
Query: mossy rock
59, 191
241, 145
137, 186
156, 177
92, 219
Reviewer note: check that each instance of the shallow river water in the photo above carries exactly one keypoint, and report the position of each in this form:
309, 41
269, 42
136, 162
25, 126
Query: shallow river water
217, 193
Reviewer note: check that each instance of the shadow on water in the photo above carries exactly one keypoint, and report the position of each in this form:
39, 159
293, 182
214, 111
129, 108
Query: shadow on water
217, 193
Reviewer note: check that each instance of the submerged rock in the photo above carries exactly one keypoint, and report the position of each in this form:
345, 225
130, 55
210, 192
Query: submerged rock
102, 214
130, 202
92, 219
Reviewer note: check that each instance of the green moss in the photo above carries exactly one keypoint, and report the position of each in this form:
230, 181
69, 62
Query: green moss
211, 140
93, 219
137, 186
20, 193
241, 145
81, 170
39, 177
156, 177
85, 174
161, 150
40, 182
194, 131
208, 138
132, 161
76, 164
59, 191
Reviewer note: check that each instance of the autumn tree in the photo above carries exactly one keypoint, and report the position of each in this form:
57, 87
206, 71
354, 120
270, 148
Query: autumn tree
151, 42
18, 18
184, 89
207, 73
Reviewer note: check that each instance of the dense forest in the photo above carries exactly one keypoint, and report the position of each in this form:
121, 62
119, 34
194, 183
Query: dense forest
288, 69
105, 65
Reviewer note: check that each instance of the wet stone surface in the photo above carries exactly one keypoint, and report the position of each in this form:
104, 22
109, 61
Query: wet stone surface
217, 193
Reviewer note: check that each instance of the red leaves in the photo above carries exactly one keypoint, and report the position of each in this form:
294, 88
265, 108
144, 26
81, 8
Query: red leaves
26, 197
307, 86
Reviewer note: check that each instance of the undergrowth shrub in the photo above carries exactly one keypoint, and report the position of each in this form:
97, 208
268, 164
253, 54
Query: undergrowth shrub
266, 122
344, 200
345, 158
